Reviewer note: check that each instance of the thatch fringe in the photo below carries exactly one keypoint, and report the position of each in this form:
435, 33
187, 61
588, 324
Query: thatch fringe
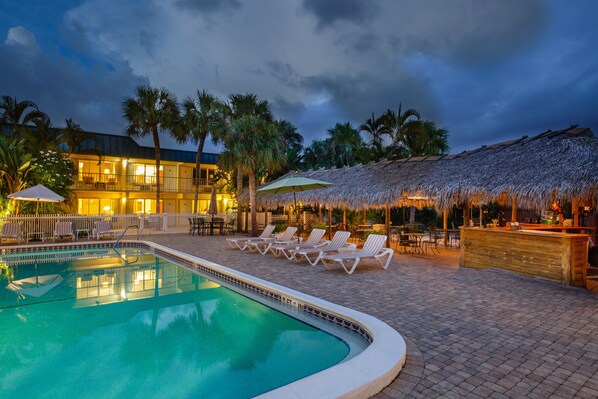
534, 171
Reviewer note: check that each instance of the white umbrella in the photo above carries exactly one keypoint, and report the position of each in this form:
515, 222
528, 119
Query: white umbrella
35, 286
39, 193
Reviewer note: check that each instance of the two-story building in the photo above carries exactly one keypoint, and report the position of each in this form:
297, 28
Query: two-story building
124, 180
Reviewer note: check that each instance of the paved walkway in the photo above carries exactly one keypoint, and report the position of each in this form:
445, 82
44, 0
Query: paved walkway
470, 333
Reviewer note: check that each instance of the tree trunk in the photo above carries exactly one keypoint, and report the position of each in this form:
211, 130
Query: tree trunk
252, 202
157, 155
239, 191
202, 141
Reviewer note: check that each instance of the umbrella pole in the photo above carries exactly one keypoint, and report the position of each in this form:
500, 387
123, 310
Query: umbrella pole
297, 210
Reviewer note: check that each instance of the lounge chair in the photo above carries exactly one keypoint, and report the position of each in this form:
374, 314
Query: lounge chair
338, 244
101, 229
372, 249
11, 231
264, 245
63, 230
314, 240
242, 243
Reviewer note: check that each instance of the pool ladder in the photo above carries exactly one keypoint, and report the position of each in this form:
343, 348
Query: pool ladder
123, 234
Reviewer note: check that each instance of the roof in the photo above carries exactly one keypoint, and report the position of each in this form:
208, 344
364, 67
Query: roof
534, 170
126, 147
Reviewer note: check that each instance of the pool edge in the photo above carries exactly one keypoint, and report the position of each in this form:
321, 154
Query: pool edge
360, 377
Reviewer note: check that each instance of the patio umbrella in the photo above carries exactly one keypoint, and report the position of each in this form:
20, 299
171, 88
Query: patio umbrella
35, 286
293, 185
213, 208
39, 193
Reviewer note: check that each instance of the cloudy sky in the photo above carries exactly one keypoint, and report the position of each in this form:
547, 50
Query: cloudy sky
485, 70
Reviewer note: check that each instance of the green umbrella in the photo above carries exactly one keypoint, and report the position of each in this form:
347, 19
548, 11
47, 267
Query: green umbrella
293, 184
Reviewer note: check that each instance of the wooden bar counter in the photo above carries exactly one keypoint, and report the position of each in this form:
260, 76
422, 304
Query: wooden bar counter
556, 256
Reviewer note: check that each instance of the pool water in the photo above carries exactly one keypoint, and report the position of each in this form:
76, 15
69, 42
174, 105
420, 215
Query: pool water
104, 324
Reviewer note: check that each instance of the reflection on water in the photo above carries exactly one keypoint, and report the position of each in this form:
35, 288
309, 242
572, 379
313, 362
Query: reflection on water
133, 325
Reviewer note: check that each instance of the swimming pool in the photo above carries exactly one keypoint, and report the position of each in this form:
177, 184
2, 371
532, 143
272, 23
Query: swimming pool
104, 323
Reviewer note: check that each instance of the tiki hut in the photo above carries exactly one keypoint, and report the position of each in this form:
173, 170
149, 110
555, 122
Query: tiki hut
533, 171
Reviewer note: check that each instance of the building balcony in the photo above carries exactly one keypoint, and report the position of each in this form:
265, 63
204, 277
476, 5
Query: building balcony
120, 183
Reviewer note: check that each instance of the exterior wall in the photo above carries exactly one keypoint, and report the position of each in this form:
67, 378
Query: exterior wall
119, 186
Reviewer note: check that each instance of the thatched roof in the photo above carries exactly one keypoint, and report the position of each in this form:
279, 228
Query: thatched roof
533, 170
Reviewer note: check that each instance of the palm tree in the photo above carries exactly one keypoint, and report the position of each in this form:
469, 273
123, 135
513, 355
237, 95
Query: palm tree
345, 139
401, 125
251, 144
75, 138
293, 142
203, 115
151, 111
377, 129
437, 139
16, 115
318, 154
241, 105
42, 136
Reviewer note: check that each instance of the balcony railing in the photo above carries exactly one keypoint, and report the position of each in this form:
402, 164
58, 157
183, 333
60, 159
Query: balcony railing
112, 182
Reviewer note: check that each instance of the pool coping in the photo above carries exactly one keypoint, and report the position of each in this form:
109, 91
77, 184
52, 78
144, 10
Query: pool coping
361, 376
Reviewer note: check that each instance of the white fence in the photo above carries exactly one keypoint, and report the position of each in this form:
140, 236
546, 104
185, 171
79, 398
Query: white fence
43, 225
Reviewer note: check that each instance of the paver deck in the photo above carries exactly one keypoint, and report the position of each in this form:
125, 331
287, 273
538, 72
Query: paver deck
470, 333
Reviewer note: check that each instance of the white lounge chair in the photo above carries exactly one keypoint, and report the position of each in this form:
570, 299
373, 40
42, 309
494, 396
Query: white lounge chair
263, 246
338, 244
314, 240
11, 231
241, 243
101, 229
63, 230
372, 249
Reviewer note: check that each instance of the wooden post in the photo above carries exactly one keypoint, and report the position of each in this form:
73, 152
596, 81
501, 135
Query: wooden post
575, 211
387, 220
466, 215
345, 218
481, 214
445, 227
365, 216
330, 221
513, 209
289, 217
265, 217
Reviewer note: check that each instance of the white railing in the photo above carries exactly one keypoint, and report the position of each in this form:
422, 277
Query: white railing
43, 226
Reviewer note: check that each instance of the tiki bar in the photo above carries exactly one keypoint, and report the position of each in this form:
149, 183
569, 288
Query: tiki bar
545, 188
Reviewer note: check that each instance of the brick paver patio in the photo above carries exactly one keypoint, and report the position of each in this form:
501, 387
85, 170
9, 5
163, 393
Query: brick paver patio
470, 333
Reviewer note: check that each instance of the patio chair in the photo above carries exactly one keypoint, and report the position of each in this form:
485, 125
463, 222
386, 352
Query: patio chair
372, 249
101, 229
63, 230
11, 231
338, 244
313, 241
242, 243
264, 245
229, 228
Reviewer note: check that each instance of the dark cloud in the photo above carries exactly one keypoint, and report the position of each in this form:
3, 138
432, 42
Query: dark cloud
208, 6
64, 88
329, 12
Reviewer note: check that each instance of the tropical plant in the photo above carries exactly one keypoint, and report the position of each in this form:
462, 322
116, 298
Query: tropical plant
55, 171
16, 165
202, 115
345, 140
79, 141
150, 112
318, 155
377, 129
42, 136
241, 105
16, 115
251, 144
401, 125
293, 142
